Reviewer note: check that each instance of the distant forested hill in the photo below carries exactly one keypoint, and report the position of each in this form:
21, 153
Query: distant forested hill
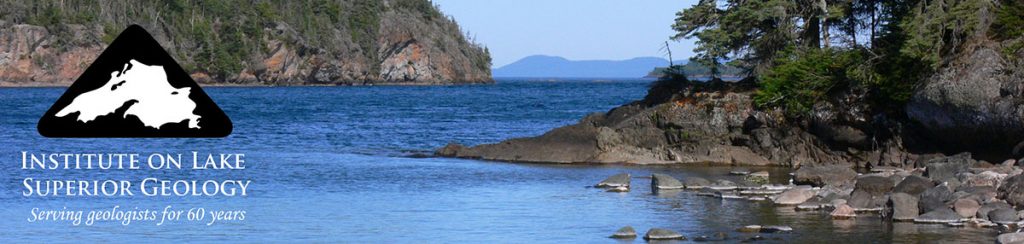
540, 66
49, 42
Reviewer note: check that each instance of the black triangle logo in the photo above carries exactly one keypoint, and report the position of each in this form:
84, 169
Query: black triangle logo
134, 89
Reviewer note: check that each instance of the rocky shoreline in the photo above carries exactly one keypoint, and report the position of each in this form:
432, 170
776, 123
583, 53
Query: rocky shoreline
951, 155
713, 123
973, 104
956, 191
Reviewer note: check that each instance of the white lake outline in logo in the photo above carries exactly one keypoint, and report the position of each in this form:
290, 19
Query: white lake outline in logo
146, 91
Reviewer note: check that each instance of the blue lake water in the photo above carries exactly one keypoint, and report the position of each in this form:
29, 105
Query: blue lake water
330, 164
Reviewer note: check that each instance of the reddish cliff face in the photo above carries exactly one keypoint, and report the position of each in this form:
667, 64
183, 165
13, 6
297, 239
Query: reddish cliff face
411, 49
28, 56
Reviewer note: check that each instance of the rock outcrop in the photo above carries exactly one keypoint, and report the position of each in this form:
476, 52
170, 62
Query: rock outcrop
402, 45
713, 123
976, 102
971, 106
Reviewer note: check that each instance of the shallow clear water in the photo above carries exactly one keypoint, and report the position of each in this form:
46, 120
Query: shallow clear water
328, 164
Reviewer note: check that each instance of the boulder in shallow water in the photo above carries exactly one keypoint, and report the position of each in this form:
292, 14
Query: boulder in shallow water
759, 176
903, 206
615, 181
618, 189
843, 211
1008, 238
824, 175
750, 228
941, 216
723, 185
914, 185
1003, 216
664, 182
863, 201
794, 196
776, 228
966, 207
739, 172
663, 234
625, 233
870, 192
695, 182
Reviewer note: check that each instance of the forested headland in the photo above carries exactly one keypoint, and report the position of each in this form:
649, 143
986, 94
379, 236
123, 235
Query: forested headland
248, 41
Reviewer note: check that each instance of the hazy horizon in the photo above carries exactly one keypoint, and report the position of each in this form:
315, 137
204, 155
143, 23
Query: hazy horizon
578, 30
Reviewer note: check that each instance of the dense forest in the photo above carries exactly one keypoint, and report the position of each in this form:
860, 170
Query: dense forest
224, 37
801, 51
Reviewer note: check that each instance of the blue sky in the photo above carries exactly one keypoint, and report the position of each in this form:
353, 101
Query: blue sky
574, 29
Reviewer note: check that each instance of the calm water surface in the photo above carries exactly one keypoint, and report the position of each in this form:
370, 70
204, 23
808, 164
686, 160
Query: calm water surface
329, 164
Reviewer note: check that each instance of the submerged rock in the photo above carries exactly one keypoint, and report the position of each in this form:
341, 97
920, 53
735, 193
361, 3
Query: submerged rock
776, 228
663, 234
812, 204
739, 172
723, 183
615, 181
942, 215
1008, 238
618, 189
765, 229
750, 228
625, 233
695, 182
663, 181
824, 175
718, 236
843, 211
760, 176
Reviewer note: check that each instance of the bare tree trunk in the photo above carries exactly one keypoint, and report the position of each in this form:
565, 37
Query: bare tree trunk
812, 32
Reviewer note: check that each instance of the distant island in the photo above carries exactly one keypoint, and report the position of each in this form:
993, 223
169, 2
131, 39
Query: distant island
541, 66
235, 42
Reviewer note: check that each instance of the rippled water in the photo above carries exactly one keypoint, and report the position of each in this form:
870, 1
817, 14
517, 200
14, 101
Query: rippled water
328, 164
